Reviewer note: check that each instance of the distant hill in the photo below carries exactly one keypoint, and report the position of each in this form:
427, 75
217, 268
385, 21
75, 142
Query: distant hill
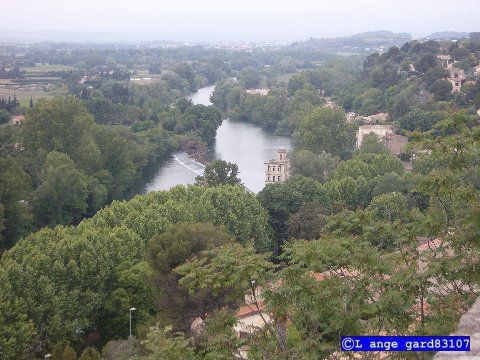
448, 35
362, 43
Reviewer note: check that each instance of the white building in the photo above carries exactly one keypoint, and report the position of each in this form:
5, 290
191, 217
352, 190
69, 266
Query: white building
380, 130
277, 170
261, 91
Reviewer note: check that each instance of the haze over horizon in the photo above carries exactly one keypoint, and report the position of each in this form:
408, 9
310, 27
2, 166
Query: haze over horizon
215, 20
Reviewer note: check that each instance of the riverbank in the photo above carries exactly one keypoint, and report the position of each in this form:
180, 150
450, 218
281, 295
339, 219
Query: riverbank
244, 144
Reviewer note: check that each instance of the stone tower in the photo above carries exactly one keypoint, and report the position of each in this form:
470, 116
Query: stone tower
278, 169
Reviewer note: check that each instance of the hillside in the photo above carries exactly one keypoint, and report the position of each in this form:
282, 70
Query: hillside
362, 43
448, 35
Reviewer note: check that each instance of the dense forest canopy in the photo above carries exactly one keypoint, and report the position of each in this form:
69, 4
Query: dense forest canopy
359, 240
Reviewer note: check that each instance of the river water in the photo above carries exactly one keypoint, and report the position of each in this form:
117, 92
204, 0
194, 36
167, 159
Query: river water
241, 143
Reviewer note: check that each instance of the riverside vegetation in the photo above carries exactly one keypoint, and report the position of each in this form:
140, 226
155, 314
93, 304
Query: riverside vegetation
353, 243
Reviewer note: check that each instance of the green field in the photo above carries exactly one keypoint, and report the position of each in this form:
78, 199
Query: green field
23, 96
40, 69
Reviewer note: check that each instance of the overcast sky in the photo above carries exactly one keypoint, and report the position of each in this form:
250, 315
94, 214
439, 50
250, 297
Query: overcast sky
249, 20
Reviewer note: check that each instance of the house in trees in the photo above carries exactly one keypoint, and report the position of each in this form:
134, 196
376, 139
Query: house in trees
379, 130
278, 169
250, 318
380, 118
262, 91
446, 60
395, 143
17, 119
457, 78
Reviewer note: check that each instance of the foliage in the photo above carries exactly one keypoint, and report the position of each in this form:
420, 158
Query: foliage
199, 120
372, 144
315, 166
4, 116
391, 206
307, 223
353, 242
61, 197
228, 269
62, 125
89, 354
249, 78
219, 173
325, 130
61, 352
283, 199
121, 349
167, 251
441, 89
161, 344
96, 264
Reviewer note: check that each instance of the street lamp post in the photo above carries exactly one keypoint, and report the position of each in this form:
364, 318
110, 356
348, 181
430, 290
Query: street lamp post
131, 309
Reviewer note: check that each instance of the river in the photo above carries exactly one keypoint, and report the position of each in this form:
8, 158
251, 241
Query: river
241, 143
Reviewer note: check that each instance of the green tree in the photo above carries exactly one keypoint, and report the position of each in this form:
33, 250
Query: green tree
370, 102
385, 75
373, 144
165, 345
4, 116
249, 78
2, 221
349, 192
390, 206
62, 125
61, 197
392, 182
240, 265
15, 189
419, 120
69, 353
325, 130
220, 94
61, 352
57, 351
200, 120
296, 82
90, 354
307, 223
167, 251
441, 89
434, 74
219, 173
283, 199
316, 166
185, 71
122, 158
121, 349
427, 61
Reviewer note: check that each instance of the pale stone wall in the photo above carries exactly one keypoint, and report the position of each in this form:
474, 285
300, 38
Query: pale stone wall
277, 170
469, 326
379, 130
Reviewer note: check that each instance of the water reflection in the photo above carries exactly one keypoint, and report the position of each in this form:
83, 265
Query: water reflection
245, 144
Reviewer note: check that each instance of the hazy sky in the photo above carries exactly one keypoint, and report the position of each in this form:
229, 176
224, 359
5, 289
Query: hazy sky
255, 20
